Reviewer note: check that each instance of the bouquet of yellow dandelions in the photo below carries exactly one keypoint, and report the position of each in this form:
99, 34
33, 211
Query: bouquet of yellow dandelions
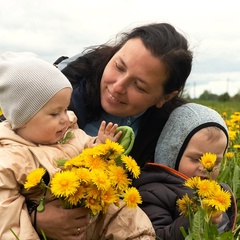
96, 178
209, 200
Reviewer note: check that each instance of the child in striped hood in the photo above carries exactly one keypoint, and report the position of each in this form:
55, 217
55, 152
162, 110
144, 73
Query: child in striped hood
191, 131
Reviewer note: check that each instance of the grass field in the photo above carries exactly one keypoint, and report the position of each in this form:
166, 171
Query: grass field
221, 107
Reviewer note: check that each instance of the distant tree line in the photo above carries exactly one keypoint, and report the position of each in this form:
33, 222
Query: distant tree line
207, 95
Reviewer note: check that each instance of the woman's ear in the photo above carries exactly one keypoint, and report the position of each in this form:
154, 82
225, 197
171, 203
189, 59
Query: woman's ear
166, 98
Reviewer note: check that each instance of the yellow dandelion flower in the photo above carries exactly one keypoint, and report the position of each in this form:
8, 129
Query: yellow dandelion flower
119, 178
235, 118
206, 188
221, 200
92, 153
1, 113
95, 179
111, 150
193, 182
93, 191
111, 162
109, 196
96, 151
76, 161
34, 178
64, 184
131, 165
229, 155
185, 205
115, 147
100, 179
106, 151
208, 161
83, 174
232, 135
224, 114
95, 163
216, 185
227, 122
77, 196
237, 146
132, 197
93, 204
208, 206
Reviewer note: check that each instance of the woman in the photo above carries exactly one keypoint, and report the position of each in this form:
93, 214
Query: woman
137, 82
130, 82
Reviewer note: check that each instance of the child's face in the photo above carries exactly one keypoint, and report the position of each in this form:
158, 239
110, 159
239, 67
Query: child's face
51, 122
200, 143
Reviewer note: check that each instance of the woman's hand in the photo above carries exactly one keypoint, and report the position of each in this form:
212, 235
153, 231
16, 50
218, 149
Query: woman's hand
61, 224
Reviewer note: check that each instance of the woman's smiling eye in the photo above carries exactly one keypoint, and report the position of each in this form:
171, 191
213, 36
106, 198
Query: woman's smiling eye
139, 87
118, 67
137, 84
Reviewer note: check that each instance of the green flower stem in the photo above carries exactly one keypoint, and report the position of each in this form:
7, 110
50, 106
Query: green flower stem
17, 238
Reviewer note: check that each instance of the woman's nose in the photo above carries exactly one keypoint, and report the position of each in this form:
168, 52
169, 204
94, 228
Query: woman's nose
120, 86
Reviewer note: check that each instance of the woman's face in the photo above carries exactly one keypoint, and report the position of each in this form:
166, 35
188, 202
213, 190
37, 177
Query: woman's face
133, 81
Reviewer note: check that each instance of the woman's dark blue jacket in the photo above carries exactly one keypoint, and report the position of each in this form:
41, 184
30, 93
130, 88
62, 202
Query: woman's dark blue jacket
151, 124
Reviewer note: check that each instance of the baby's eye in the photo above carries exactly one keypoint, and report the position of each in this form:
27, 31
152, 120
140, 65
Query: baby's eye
54, 114
218, 161
195, 159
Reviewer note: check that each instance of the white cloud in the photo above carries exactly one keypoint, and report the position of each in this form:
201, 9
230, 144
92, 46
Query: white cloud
52, 28
216, 83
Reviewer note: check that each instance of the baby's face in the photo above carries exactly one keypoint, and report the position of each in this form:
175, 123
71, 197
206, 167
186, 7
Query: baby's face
49, 125
202, 142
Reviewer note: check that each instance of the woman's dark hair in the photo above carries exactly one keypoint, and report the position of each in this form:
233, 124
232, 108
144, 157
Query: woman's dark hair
161, 39
171, 48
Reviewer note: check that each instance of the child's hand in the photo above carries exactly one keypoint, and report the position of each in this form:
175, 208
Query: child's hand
217, 218
108, 131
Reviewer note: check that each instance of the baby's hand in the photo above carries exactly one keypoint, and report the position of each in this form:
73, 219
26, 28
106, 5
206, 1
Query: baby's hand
217, 218
108, 131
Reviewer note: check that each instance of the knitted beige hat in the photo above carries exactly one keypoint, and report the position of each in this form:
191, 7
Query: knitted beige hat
27, 83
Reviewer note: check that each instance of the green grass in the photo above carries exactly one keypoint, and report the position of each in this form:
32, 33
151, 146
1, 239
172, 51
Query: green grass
220, 107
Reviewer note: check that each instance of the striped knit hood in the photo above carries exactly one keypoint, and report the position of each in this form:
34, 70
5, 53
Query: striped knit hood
182, 124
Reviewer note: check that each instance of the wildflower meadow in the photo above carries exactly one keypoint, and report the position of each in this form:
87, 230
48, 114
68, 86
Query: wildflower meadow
230, 167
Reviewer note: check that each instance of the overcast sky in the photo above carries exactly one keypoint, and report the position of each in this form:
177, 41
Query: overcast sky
52, 28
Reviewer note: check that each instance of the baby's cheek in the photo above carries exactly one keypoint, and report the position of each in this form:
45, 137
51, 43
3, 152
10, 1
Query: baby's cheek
215, 174
188, 171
